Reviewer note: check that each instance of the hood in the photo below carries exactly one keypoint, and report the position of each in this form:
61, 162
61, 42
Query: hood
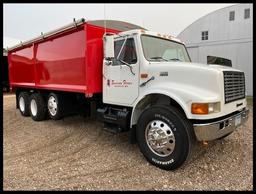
202, 66
209, 66
192, 76
195, 75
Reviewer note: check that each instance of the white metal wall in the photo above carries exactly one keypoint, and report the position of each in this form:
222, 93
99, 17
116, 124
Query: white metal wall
228, 39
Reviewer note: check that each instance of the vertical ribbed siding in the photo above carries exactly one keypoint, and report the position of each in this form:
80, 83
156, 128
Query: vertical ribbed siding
234, 85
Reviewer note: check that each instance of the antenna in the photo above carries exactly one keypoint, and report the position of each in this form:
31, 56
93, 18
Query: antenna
105, 25
74, 20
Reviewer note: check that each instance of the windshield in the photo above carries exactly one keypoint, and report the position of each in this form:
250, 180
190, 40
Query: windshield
159, 49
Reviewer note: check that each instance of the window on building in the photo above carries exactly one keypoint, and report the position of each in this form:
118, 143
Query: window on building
204, 35
246, 13
232, 16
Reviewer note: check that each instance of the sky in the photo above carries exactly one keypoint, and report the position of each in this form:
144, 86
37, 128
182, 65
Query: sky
22, 22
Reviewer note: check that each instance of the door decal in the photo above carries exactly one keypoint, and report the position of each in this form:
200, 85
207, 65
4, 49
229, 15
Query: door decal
123, 83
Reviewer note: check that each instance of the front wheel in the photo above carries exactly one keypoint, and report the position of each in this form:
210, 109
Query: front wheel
165, 136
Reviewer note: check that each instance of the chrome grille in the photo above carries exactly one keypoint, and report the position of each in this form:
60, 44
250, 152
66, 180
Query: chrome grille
234, 85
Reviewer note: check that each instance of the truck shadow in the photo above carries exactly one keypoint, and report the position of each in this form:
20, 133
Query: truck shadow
93, 132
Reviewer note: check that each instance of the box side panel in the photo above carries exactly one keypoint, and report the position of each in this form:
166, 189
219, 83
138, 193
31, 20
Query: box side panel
94, 60
21, 68
60, 62
70, 61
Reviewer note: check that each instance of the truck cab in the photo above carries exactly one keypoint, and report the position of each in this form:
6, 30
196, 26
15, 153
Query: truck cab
169, 95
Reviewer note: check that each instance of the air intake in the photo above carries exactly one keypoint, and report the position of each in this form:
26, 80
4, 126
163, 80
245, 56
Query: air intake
234, 85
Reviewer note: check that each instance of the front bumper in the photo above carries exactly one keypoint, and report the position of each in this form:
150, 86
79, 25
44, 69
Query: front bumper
218, 129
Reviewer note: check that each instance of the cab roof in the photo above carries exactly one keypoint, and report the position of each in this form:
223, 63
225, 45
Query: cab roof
151, 33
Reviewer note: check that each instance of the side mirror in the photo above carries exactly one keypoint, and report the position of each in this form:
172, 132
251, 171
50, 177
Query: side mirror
109, 52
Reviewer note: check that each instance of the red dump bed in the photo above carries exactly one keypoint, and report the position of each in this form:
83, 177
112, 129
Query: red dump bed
68, 61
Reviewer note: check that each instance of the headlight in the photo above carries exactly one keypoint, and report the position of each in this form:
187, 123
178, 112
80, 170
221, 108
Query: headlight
205, 108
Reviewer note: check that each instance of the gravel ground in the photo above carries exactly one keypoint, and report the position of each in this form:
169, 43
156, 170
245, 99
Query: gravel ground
75, 154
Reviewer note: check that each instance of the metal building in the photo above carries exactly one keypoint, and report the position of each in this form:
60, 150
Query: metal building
226, 33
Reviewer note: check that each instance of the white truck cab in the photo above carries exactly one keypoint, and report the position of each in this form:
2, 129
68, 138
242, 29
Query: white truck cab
172, 101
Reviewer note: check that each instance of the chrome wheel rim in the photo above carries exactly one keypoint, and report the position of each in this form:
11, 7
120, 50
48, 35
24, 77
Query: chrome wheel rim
160, 138
52, 106
22, 104
33, 107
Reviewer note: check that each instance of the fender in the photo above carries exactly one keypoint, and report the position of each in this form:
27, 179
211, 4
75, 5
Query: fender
182, 94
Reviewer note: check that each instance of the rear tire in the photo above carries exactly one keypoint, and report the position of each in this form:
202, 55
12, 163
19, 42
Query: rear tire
23, 103
55, 106
37, 107
165, 136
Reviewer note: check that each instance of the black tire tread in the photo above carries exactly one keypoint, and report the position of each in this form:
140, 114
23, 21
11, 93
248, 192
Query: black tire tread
41, 107
188, 127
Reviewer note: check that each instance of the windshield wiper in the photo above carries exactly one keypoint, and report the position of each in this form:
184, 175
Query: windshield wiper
158, 58
174, 59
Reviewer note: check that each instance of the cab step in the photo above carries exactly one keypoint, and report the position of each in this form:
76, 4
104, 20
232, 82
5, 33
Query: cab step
115, 119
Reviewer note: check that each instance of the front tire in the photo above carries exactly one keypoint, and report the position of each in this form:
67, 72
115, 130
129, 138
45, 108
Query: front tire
165, 136
37, 107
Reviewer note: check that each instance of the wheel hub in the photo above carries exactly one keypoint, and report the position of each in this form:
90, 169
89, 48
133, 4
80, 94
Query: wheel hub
22, 104
33, 107
52, 106
160, 138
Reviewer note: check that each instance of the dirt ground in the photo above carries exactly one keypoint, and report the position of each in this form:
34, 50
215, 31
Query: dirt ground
76, 154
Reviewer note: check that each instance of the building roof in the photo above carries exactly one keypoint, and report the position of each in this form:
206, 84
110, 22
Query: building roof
213, 12
219, 27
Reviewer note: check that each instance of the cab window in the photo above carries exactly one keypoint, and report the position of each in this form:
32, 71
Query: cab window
128, 54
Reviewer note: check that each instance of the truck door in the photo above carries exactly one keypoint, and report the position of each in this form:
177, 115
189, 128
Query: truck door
120, 79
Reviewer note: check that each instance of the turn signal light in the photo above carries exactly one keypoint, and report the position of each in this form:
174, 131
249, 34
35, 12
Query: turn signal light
200, 108
144, 75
